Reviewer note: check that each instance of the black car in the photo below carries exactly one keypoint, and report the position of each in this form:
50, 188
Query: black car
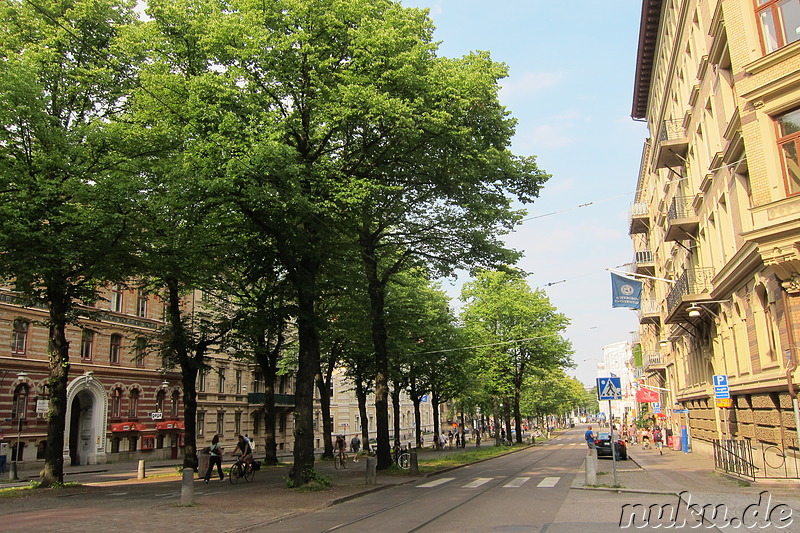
603, 443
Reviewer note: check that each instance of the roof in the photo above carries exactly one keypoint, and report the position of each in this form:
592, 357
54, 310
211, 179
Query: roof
648, 33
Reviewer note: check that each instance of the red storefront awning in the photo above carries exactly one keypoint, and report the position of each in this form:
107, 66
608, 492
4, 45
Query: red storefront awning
127, 426
170, 424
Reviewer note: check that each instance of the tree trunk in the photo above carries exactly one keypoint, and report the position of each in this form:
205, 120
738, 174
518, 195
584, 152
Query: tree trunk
497, 421
435, 406
270, 413
507, 418
304, 281
361, 396
376, 289
53, 470
517, 417
417, 415
327, 425
396, 411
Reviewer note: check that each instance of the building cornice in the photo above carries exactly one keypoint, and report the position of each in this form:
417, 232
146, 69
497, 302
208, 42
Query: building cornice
648, 35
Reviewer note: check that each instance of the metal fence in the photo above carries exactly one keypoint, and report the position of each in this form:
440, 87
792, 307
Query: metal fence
756, 459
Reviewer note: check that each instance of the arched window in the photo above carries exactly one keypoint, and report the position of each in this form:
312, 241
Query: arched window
116, 403
116, 348
175, 397
19, 337
133, 405
19, 408
160, 397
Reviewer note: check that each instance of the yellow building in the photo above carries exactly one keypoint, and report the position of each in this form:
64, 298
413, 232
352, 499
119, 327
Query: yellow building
717, 214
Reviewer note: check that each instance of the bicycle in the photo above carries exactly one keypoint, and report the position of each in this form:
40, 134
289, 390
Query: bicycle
401, 458
239, 470
340, 459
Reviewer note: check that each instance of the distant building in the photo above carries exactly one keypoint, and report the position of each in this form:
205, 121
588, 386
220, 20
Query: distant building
615, 363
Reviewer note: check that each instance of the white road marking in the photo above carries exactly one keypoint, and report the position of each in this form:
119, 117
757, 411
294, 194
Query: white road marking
515, 483
435, 482
548, 482
477, 483
118, 494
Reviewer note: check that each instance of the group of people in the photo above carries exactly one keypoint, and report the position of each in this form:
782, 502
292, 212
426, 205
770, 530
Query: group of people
630, 435
442, 440
244, 447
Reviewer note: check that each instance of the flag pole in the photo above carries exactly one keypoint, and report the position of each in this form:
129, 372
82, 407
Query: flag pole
622, 272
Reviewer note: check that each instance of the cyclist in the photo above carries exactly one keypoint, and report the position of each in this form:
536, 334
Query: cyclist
341, 448
243, 447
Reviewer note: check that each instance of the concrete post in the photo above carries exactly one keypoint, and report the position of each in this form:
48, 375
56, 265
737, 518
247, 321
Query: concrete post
414, 469
142, 474
591, 468
12, 471
372, 470
187, 487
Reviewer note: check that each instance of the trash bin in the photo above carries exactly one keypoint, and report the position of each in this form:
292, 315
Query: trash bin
2, 464
669, 442
202, 464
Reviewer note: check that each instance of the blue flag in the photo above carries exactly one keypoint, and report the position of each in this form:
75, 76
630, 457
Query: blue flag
625, 292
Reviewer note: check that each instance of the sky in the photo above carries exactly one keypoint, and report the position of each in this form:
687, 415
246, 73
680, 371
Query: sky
570, 86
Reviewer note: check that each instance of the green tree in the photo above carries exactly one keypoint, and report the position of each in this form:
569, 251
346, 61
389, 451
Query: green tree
64, 187
522, 329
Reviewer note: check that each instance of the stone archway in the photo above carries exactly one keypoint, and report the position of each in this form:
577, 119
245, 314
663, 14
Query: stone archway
87, 413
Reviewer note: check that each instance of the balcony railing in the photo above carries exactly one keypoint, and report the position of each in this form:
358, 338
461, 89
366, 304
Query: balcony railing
671, 130
649, 311
281, 400
692, 281
639, 217
681, 207
672, 144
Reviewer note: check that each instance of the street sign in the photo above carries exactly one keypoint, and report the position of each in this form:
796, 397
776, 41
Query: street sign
720, 380
609, 389
724, 402
681, 411
157, 415
656, 407
42, 406
721, 390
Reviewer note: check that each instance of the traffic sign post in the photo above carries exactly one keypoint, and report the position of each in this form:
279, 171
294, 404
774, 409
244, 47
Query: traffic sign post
610, 389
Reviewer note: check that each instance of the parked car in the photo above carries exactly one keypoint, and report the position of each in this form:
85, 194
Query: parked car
603, 443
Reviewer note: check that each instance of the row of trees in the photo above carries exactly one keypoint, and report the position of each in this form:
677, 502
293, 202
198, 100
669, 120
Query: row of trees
307, 161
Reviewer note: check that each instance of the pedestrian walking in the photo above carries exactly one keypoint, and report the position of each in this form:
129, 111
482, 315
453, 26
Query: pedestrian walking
458, 440
589, 436
215, 458
450, 439
657, 439
355, 445
477, 438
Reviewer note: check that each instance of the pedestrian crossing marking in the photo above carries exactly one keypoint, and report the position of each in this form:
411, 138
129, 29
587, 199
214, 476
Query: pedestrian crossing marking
435, 482
516, 483
477, 483
548, 482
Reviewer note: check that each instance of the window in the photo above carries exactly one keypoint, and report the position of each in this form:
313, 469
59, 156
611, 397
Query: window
239, 382
789, 144
19, 408
779, 22
201, 380
19, 337
116, 345
116, 298
133, 404
141, 349
220, 423
149, 442
174, 409
256, 423
160, 397
237, 423
221, 381
116, 403
141, 303
201, 424
87, 341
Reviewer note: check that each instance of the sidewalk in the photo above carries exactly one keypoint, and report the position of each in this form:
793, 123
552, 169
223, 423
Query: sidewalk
692, 477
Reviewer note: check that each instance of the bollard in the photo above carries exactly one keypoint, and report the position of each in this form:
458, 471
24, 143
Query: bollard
591, 468
414, 468
141, 470
12, 471
372, 470
187, 487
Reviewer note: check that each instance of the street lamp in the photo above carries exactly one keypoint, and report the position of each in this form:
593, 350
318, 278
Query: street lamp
13, 471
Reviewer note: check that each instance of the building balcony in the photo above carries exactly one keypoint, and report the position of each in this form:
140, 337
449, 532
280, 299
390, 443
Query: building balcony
682, 220
643, 262
281, 400
652, 361
649, 311
693, 286
639, 220
673, 144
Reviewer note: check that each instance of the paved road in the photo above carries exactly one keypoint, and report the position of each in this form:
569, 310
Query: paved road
523, 491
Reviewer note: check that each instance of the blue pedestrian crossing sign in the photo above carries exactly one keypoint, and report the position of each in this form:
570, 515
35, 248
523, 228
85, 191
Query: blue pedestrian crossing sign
609, 389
